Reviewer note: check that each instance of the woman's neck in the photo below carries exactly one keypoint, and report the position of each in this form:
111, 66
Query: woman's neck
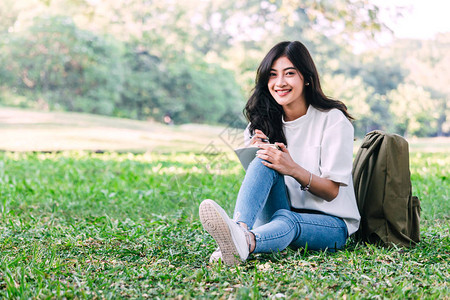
292, 113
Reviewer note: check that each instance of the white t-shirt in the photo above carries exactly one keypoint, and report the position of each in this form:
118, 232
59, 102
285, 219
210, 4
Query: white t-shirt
322, 143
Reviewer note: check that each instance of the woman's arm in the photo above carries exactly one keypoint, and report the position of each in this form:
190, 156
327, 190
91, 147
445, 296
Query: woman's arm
281, 161
321, 187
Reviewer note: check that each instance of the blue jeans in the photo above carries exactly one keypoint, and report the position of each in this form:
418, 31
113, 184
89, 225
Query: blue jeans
263, 205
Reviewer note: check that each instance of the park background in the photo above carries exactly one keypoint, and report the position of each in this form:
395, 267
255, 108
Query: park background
195, 61
99, 195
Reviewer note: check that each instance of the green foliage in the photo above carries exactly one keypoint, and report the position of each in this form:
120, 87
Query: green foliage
142, 89
75, 70
57, 65
196, 60
354, 93
193, 93
383, 75
415, 87
414, 110
82, 225
188, 91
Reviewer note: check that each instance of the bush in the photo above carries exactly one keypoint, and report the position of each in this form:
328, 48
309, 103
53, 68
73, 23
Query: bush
67, 68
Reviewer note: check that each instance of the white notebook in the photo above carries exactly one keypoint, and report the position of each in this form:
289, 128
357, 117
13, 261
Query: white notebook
246, 155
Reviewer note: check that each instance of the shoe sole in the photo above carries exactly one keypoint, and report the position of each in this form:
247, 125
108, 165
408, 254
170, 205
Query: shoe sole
218, 228
215, 256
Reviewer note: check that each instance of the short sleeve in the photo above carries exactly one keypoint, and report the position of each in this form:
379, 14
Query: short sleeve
336, 159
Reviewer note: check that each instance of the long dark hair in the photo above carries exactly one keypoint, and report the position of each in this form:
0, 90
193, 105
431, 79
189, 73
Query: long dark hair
263, 112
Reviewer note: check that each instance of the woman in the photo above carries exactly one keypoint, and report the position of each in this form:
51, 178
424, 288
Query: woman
299, 194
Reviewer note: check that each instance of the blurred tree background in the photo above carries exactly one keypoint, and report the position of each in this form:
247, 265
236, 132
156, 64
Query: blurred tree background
195, 60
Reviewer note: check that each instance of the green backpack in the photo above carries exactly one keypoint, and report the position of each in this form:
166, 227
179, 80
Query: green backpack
382, 181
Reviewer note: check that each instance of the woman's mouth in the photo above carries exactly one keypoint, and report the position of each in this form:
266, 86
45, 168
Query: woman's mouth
283, 92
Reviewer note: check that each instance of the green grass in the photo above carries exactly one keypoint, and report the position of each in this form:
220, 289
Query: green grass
86, 225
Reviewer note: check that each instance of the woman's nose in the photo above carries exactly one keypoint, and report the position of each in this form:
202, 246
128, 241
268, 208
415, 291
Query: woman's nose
280, 81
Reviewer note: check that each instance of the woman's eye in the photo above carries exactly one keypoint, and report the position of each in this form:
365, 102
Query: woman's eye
290, 73
273, 74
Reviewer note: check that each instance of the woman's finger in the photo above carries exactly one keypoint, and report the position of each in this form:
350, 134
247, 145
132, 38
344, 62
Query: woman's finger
261, 136
267, 164
264, 157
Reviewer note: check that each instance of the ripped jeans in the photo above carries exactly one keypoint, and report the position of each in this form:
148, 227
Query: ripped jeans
263, 205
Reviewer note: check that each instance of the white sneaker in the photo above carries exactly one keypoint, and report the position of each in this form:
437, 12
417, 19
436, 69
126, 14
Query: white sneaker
215, 256
232, 238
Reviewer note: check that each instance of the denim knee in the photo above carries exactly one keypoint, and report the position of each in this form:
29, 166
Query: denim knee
257, 166
256, 163
284, 215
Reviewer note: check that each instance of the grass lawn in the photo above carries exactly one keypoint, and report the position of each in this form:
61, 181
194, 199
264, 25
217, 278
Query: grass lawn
78, 224
86, 225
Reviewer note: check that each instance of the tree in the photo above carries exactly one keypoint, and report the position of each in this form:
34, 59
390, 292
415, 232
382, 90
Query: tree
429, 67
144, 59
55, 63
354, 93
200, 92
414, 109
143, 81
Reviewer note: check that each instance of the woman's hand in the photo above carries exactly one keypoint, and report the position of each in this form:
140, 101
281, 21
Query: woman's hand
278, 159
281, 161
259, 138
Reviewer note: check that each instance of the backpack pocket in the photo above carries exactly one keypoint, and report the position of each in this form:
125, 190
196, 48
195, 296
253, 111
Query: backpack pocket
415, 219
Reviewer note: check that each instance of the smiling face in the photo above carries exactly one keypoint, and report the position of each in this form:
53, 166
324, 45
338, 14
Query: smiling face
286, 84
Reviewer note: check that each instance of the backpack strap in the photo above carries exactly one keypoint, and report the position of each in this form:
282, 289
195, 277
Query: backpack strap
370, 145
